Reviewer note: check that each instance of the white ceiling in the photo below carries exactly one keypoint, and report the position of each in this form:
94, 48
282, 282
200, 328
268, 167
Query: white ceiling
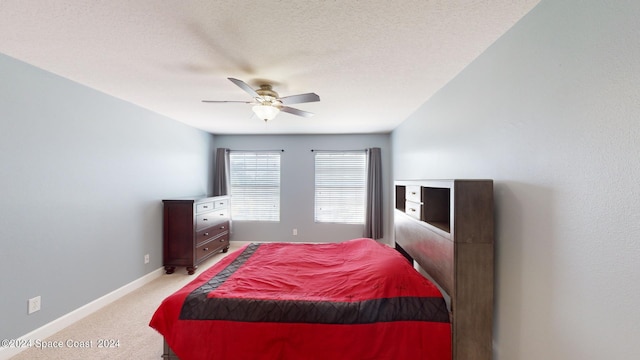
373, 63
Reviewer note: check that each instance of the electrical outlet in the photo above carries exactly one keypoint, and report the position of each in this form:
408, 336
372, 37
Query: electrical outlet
295, 232
146, 259
34, 304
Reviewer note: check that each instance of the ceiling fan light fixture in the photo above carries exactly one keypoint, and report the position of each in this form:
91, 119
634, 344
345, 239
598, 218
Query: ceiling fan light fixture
266, 112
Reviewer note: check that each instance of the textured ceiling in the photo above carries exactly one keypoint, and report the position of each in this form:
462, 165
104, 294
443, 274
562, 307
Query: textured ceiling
373, 63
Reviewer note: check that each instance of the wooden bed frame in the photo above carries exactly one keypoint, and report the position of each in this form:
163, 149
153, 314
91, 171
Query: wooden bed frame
167, 352
447, 227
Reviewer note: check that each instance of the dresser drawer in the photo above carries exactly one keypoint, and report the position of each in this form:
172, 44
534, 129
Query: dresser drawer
206, 220
204, 207
221, 204
413, 209
222, 213
211, 247
413, 193
206, 234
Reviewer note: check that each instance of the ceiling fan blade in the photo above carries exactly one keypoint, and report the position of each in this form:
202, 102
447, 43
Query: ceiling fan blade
301, 98
227, 101
244, 86
294, 111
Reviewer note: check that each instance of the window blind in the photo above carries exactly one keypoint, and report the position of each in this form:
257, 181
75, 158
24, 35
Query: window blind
340, 183
255, 185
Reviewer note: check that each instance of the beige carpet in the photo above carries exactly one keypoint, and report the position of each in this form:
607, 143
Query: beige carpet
125, 321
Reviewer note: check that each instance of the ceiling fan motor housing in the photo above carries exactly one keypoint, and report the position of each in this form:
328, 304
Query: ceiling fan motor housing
266, 90
268, 96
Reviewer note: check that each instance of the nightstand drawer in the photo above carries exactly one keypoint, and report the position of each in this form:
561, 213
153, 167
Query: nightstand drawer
413, 194
413, 209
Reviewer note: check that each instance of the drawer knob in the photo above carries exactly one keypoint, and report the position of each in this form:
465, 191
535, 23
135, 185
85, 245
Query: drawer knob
222, 227
205, 249
206, 234
414, 210
205, 219
205, 206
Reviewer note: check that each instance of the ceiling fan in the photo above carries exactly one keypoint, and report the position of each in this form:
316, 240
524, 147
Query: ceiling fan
267, 103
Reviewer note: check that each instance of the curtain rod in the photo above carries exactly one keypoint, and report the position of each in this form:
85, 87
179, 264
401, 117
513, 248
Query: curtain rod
356, 150
276, 150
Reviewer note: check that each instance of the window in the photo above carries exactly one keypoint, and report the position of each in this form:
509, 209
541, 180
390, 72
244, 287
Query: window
255, 185
340, 187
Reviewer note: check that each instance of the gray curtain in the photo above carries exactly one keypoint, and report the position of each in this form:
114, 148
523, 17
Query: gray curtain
221, 174
373, 210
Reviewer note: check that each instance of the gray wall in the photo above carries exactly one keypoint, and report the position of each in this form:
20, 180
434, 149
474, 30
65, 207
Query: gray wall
297, 186
82, 175
551, 112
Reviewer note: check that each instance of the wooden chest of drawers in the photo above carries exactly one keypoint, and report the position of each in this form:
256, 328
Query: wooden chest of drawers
194, 230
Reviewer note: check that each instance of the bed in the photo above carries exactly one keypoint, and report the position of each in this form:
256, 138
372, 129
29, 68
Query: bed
357, 299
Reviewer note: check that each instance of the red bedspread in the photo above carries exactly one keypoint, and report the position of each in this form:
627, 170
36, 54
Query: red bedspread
352, 300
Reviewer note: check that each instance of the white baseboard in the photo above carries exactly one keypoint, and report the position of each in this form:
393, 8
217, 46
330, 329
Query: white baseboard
62, 322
